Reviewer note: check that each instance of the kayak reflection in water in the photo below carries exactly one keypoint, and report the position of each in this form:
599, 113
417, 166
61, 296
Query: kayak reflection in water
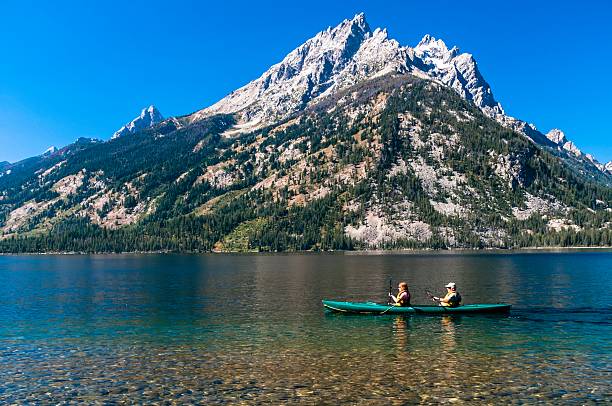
403, 295
452, 298
448, 339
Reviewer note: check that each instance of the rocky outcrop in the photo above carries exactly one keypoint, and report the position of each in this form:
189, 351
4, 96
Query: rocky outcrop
148, 118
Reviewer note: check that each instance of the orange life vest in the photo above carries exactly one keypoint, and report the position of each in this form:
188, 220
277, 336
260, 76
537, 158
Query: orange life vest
403, 299
453, 298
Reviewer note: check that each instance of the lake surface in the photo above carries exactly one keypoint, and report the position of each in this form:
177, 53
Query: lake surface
251, 329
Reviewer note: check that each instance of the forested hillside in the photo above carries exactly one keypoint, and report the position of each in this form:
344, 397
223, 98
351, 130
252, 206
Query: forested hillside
390, 162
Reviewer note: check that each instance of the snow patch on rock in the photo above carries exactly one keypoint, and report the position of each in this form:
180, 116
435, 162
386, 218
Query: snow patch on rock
50, 151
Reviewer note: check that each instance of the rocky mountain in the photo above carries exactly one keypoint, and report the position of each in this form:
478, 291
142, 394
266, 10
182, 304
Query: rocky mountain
351, 52
333, 59
458, 71
343, 56
558, 137
148, 117
583, 163
352, 141
49, 151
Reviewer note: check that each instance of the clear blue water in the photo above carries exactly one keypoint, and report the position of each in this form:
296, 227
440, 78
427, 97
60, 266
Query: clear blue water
251, 328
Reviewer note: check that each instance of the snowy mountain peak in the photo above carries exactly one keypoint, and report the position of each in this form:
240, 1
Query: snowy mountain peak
557, 136
608, 167
148, 117
151, 110
457, 70
433, 48
335, 58
425, 41
342, 56
347, 54
357, 24
151, 113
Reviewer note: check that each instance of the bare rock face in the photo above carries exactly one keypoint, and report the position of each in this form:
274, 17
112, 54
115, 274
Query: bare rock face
458, 71
335, 58
558, 137
351, 52
148, 118
340, 57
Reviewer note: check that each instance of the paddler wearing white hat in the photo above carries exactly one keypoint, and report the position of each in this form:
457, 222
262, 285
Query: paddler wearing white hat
452, 297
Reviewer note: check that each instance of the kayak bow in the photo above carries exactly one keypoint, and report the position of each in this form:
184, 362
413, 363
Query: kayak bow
375, 308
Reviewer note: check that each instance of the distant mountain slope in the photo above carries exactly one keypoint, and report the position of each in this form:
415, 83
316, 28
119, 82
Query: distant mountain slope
352, 141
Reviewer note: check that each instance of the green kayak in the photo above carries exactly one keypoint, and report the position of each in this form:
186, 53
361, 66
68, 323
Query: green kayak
376, 308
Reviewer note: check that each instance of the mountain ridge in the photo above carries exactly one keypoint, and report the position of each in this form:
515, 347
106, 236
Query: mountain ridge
335, 147
340, 56
149, 117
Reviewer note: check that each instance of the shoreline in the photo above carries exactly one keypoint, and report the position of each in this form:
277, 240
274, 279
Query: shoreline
406, 251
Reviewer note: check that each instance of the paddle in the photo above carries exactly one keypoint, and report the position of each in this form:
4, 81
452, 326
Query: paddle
390, 291
430, 295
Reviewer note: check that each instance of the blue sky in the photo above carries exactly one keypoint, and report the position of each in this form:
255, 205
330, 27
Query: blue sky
71, 68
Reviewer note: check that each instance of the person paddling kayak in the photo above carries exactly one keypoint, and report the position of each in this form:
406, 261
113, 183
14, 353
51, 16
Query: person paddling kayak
452, 297
403, 295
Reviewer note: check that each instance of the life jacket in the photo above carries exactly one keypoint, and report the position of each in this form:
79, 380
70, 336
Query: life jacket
454, 299
403, 299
